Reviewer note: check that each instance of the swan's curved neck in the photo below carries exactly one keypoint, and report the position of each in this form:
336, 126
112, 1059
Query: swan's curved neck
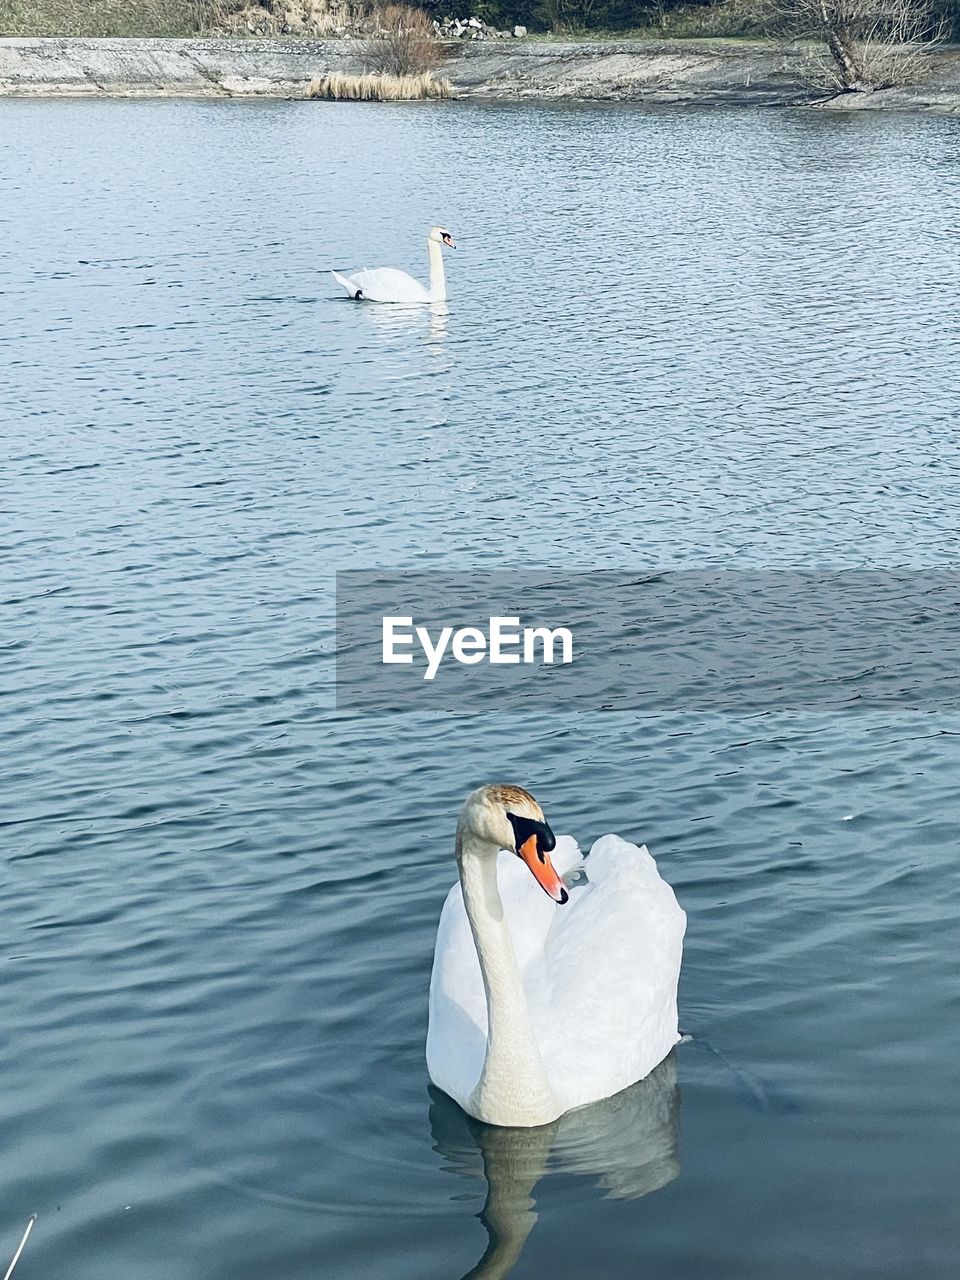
438, 281
513, 1088
514, 1161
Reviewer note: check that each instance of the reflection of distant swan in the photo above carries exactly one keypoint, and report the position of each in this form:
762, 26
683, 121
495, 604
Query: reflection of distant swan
543, 1002
626, 1144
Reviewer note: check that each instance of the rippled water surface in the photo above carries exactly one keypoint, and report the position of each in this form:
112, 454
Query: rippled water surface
674, 339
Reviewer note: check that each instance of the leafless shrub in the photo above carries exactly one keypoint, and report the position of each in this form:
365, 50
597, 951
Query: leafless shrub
403, 44
863, 44
379, 87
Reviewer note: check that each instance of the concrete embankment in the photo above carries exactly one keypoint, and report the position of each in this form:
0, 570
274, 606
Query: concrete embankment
628, 71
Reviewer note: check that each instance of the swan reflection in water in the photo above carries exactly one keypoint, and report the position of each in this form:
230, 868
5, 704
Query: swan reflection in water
627, 1144
406, 329
439, 317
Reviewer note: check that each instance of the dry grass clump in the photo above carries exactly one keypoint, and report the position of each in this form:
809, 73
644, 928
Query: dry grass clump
379, 87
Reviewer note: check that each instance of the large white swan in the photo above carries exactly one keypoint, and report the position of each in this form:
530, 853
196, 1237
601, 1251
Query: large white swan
386, 284
544, 1002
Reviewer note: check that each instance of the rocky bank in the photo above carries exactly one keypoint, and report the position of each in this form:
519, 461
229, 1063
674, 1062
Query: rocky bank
688, 71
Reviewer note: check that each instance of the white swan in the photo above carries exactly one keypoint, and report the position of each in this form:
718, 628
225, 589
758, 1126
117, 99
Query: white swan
386, 284
539, 1004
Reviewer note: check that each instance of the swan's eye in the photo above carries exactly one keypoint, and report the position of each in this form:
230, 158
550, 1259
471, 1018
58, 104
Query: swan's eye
524, 828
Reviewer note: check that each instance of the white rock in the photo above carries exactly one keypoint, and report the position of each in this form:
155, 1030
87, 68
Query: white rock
519, 31
474, 22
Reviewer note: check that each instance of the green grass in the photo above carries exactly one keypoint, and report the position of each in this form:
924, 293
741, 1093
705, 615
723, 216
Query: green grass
120, 17
728, 22
99, 17
652, 35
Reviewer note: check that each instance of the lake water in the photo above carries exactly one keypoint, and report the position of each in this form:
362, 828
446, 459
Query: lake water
675, 339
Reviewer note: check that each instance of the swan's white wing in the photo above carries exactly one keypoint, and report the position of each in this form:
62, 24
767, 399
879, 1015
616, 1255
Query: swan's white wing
457, 1031
385, 284
604, 1005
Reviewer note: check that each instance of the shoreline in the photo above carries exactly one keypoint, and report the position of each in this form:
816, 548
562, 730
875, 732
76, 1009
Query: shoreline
696, 71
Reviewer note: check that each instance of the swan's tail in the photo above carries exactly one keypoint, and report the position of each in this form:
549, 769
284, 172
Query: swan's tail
353, 291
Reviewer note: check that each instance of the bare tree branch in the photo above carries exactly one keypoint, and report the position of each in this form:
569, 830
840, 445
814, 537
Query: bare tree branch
866, 44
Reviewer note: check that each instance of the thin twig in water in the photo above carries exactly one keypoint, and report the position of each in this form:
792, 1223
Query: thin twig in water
16, 1256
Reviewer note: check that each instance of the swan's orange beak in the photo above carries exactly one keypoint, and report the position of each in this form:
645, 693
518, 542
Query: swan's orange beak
447, 239
544, 872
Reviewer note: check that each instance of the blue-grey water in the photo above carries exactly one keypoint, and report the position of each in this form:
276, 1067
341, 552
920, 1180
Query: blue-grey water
675, 339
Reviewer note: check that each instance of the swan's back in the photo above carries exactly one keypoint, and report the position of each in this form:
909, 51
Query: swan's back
385, 284
607, 1014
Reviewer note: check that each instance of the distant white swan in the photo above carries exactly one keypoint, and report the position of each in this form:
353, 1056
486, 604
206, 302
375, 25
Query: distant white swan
539, 1004
386, 284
